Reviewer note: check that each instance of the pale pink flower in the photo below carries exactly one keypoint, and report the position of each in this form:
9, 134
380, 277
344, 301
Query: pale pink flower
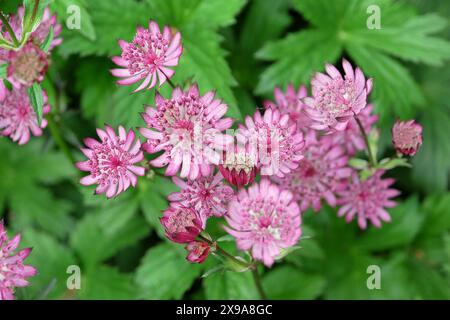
198, 251
239, 165
291, 103
188, 128
148, 57
351, 138
367, 200
13, 272
278, 143
321, 174
335, 100
265, 220
182, 224
112, 161
17, 117
207, 195
407, 137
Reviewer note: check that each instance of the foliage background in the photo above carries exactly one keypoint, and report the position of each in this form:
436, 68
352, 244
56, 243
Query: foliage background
242, 49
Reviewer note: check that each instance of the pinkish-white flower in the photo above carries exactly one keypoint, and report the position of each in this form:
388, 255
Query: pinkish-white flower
321, 174
207, 195
291, 103
278, 143
188, 129
264, 220
17, 117
13, 271
198, 251
367, 200
407, 137
336, 99
112, 161
148, 57
182, 224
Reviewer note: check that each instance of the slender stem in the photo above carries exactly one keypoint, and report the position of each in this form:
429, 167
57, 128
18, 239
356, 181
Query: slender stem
9, 29
223, 252
54, 130
35, 9
168, 80
372, 159
259, 287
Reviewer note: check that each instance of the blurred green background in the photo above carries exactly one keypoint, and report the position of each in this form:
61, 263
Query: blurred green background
242, 49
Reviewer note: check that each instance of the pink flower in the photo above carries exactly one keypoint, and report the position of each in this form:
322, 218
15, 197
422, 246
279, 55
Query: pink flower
336, 99
198, 251
182, 224
291, 103
321, 174
188, 129
278, 142
367, 200
27, 65
351, 138
17, 117
207, 195
111, 162
239, 165
407, 137
264, 219
148, 57
13, 272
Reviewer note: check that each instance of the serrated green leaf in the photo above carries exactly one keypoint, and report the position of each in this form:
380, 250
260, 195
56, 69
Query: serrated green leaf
37, 100
68, 9
230, 286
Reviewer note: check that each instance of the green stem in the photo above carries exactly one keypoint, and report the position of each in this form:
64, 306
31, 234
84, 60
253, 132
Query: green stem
33, 14
372, 158
223, 252
54, 130
257, 280
9, 29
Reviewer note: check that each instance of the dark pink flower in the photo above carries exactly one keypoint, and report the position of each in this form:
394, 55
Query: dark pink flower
111, 162
182, 224
13, 272
291, 103
207, 195
188, 128
198, 251
321, 174
17, 117
264, 219
336, 99
367, 200
278, 143
148, 57
407, 137
239, 165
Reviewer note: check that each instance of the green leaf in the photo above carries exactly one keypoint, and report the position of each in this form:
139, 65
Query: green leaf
3, 70
430, 283
230, 286
45, 46
107, 283
406, 222
437, 210
389, 164
358, 163
164, 273
289, 283
37, 100
67, 9
29, 24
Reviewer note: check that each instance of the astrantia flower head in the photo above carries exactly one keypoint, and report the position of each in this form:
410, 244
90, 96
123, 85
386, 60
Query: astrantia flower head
407, 137
291, 103
148, 57
17, 117
278, 142
208, 195
321, 174
13, 272
239, 165
367, 200
111, 162
188, 129
351, 138
336, 99
182, 224
264, 219
198, 251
